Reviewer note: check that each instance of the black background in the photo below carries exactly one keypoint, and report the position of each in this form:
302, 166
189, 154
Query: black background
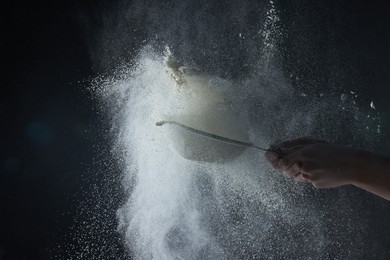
52, 135
51, 132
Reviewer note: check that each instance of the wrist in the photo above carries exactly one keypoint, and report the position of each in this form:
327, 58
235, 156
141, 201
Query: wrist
361, 170
368, 167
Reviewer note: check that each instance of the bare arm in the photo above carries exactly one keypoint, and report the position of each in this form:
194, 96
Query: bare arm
374, 176
328, 165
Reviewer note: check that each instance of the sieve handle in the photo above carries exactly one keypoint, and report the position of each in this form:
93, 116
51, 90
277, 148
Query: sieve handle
221, 138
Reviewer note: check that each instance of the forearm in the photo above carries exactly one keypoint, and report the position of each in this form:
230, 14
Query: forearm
373, 174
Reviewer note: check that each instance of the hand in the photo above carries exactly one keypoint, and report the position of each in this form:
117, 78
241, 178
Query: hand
316, 161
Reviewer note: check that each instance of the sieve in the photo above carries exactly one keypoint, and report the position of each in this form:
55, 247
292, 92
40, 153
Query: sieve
220, 138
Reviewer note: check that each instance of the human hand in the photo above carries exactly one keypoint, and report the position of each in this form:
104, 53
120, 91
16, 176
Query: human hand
316, 161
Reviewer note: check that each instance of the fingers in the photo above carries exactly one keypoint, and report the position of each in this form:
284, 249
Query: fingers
276, 153
291, 166
285, 163
293, 170
289, 157
305, 177
321, 184
309, 167
289, 161
278, 162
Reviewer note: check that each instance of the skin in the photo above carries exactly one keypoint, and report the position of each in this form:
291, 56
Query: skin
326, 165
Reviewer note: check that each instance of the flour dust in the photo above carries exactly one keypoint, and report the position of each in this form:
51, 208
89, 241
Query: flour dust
240, 209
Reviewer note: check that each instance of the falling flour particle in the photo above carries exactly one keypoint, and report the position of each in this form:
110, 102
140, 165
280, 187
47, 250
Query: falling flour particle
372, 105
343, 97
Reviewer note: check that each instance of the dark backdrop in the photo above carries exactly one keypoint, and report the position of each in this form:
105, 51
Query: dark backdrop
52, 137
